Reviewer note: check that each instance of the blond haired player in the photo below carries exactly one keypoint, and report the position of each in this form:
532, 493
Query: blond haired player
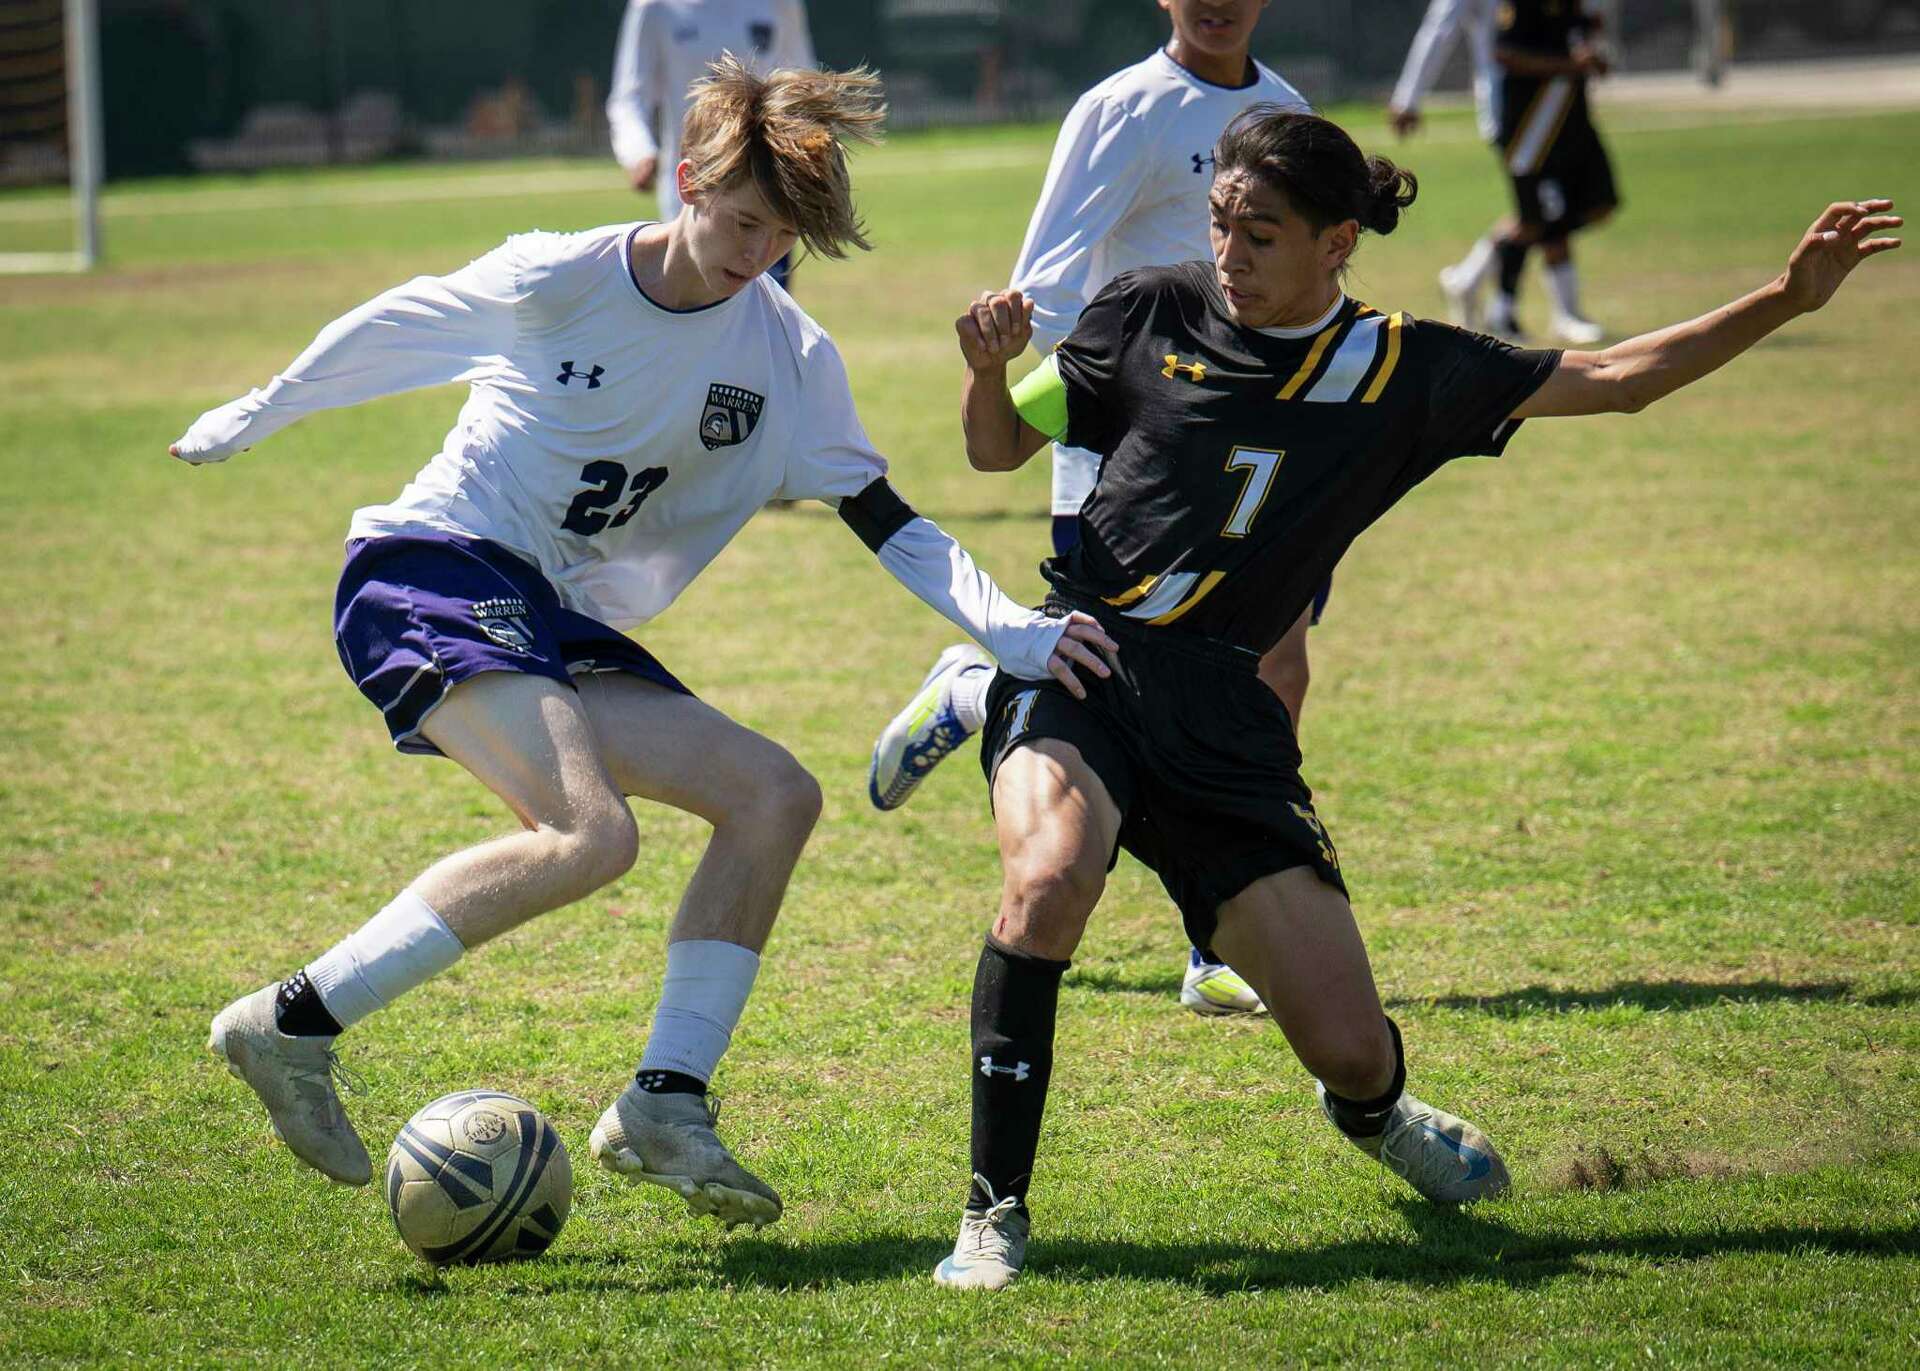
636, 393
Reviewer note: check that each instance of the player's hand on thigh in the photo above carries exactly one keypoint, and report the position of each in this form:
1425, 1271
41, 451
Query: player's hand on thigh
996, 328
1076, 648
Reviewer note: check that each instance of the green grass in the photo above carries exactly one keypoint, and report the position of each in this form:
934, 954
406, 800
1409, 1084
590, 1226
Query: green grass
1617, 736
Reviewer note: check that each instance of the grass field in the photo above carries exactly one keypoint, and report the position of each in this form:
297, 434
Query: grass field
1617, 736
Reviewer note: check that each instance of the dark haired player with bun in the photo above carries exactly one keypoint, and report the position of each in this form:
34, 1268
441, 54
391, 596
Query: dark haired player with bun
1253, 420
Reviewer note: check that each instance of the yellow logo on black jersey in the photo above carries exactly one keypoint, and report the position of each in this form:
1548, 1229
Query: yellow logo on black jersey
1193, 371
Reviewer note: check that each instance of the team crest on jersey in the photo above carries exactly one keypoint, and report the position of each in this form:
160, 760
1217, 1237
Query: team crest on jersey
505, 622
762, 36
730, 415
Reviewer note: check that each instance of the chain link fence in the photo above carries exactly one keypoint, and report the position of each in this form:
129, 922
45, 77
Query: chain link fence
212, 85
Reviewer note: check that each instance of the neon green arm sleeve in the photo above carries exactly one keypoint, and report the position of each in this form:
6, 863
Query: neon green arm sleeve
1041, 398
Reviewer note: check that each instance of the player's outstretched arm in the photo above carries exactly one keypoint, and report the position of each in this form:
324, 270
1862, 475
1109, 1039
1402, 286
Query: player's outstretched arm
995, 329
430, 331
1629, 376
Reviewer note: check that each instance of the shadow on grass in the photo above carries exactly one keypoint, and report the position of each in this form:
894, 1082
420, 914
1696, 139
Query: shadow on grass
1448, 1248
1540, 999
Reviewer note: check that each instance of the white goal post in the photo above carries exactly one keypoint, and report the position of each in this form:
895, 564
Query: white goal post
81, 46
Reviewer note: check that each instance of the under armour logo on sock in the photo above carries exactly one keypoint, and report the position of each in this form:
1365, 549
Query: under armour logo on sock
1019, 1070
592, 378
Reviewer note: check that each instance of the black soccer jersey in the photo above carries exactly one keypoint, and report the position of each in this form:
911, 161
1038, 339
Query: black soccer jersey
1238, 466
1535, 109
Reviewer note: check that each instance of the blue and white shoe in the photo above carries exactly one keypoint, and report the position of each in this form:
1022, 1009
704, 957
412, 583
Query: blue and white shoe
921, 736
1446, 1159
1214, 988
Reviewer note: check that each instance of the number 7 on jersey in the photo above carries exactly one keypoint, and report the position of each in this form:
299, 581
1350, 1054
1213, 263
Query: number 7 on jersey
1261, 466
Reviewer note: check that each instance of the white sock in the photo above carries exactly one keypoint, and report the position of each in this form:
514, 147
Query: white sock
1563, 284
701, 996
968, 694
1471, 271
402, 946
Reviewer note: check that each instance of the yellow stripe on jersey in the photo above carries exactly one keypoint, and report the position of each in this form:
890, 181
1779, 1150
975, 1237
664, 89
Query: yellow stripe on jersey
1213, 578
1127, 597
1352, 360
1314, 354
1393, 359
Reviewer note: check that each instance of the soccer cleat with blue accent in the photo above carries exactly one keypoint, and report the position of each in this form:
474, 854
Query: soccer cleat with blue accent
1213, 988
924, 734
991, 1249
294, 1079
669, 1140
1446, 1159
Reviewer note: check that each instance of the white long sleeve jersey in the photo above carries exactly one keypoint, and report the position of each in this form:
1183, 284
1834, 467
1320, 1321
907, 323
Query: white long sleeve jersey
1128, 184
665, 46
1443, 23
616, 444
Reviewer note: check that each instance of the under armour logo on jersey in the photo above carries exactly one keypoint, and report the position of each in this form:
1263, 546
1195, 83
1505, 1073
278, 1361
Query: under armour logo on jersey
1019, 1070
592, 378
1201, 162
1193, 371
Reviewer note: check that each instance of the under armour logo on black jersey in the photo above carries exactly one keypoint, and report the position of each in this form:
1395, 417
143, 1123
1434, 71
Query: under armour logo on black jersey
592, 378
1201, 162
1193, 371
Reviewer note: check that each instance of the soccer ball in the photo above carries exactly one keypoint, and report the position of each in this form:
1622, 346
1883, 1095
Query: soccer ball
478, 1176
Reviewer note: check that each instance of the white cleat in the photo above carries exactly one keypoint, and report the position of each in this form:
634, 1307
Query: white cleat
1213, 989
922, 735
1571, 328
1463, 297
1446, 1159
991, 1249
294, 1079
669, 1140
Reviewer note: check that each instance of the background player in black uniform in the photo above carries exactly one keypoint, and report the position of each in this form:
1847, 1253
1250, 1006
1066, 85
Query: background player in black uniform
1545, 50
1253, 420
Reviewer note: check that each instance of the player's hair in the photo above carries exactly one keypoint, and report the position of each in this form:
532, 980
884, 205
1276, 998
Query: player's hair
785, 131
1317, 166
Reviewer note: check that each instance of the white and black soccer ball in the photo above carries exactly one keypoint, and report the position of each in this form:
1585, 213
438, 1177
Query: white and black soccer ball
478, 1176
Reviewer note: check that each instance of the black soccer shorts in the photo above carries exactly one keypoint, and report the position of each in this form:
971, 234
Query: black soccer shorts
1196, 752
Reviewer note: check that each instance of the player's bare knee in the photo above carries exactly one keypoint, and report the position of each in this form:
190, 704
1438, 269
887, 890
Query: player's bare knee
600, 844
1355, 1063
1050, 899
787, 801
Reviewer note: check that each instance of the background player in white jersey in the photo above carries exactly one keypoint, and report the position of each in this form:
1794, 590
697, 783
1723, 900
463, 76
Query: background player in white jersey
663, 48
1127, 188
636, 393
1440, 28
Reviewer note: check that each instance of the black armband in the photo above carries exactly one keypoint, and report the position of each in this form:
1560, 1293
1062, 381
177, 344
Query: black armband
876, 514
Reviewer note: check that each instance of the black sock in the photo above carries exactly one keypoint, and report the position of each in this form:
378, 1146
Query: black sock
669, 1083
297, 1010
1066, 533
1513, 257
1368, 1118
1014, 998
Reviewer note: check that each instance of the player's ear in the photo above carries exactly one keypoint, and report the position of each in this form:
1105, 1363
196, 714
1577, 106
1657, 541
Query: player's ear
1337, 242
683, 182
